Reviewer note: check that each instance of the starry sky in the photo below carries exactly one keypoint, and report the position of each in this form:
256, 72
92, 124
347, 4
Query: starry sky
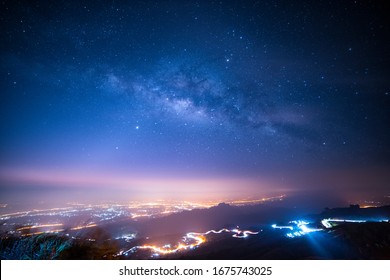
200, 98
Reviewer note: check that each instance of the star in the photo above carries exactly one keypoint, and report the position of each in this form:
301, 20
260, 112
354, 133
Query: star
218, 76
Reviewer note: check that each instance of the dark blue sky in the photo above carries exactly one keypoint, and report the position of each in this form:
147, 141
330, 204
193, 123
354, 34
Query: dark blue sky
176, 93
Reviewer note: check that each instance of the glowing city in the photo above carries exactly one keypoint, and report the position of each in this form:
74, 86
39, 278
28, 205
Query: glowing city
124, 225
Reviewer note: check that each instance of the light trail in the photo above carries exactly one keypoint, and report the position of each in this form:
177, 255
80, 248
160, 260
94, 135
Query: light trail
181, 246
82, 227
191, 240
298, 228
256, 201
327, 223
42, 232
135, 216
303, 226
282, 227
127, 237
39, 226
243, 234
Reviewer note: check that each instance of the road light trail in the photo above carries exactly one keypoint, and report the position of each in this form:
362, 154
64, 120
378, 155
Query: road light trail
38, 226
82, 227
297, 228
327, 223
191, 240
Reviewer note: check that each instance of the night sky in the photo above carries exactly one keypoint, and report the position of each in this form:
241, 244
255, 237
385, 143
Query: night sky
196, 98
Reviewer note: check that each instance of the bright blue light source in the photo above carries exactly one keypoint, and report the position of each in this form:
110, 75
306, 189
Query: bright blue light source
298, 228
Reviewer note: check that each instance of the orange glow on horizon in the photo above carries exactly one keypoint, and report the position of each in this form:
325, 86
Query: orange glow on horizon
157, 187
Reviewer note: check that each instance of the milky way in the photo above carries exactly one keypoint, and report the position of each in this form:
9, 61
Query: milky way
289, 95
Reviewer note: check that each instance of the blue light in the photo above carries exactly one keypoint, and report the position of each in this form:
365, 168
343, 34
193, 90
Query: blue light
298, 228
